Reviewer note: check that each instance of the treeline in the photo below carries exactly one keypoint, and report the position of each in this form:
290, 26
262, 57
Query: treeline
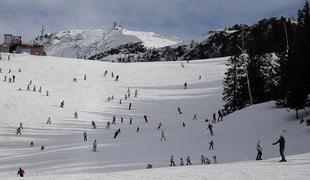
276, 64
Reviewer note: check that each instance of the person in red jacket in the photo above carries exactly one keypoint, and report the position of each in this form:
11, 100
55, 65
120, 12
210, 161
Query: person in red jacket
21, 172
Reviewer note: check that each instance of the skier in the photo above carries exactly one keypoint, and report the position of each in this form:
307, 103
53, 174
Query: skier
214, 118
74, 80
172, 161
281, 142
188, 161
130, 120
28, 87
128, 92
21, 125
40, 89
116, 78
179, 110
214, 160
163, 136
105, 73
259, 151
125, 96
129, 107
159, 126
112, 74
34, 89
13, 78
95, 146
113, 121
138, 129
4, 78
10, 80
75, 115
203, 159
182, 65
115, 134
93, 124
185, 85
10, 71
31, 144
49, 121
122, 119
84, 77
85, 136
42, 147
19, 70
120, 101
210, 127
199, 77
195, 117
181, 162
108, 125
145, 118
220, 116
47, 93
183, 124
208, 160
109, 99
136, 93
62, 104
211, 145
207, 120
20, 172
18, 131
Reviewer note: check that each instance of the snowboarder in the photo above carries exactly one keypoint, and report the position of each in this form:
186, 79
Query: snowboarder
114, 119
281, 142
185, 85
20, 172
163, 136
188, 161
49, 121
40, 89
172, 161
85, 136
203, 159
195, 117
62, 103
214, 118
179, 110
259, 151
76, 116
84, 77
138, 129
211, 145
116, 78
210, 127
181, 162
129, 107
220, 116
93, 124
159, 126
145, 118
95, 145
18, 131
42, 147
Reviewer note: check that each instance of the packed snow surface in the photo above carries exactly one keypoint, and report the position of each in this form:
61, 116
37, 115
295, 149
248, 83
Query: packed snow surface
160, 92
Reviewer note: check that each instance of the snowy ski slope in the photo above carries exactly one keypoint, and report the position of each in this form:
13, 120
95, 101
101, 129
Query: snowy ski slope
160, 92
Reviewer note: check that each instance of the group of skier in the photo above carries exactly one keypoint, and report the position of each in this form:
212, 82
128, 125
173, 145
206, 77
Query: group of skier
203, 160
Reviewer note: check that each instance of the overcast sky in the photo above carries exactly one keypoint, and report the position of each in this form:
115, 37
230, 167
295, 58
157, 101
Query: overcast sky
183, 18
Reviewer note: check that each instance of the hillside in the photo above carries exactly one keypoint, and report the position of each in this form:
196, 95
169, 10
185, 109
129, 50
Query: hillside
87, 43
160, 92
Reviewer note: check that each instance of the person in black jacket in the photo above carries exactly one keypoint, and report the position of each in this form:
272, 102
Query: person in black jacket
281, 142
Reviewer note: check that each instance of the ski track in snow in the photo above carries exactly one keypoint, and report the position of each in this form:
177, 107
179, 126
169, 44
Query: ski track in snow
160, 92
